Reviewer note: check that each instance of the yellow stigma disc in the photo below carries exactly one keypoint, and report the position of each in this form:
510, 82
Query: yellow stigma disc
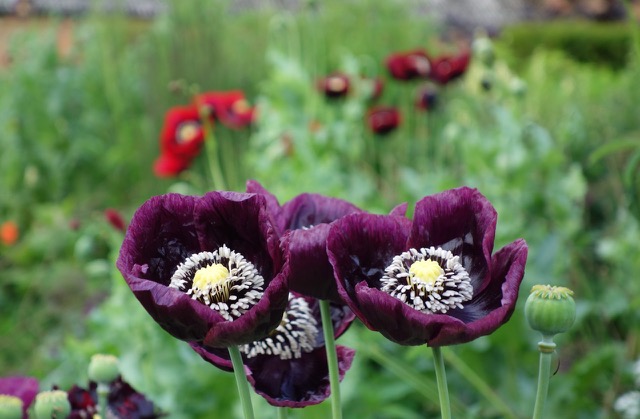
426, 271
210, 275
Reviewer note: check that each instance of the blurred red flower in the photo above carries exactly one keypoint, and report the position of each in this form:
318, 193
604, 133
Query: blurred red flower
230, 108
182, 133
383, 119
408, 65
115, 219
335, 85
9, 233
446, 68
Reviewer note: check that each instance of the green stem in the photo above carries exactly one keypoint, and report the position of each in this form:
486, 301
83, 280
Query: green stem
475, 380
441, 378
546, 348
283, 412
241, 382
213, 154
332, 359
103, 393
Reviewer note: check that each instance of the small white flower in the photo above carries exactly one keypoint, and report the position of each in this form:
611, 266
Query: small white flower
628, 405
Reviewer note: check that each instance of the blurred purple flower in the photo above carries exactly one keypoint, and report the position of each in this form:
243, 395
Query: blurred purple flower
23, 388
433, 280
408, 65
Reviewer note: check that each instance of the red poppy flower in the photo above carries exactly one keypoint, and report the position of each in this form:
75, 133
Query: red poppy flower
115, 219
170, 165
383, 119
9, 233
230, 108
408, 65
182, 133
334, 86
447, 68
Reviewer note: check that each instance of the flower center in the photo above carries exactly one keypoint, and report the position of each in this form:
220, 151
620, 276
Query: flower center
187, 132
422, 64
430, 280
296, 334
223, 280
427, 271
336, 84
240, 106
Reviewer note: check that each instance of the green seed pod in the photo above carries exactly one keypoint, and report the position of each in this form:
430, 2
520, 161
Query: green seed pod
52, 404
10, 407
103, 368
550, 310
482, 48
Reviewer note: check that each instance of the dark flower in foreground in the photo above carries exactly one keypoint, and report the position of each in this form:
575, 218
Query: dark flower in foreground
19, 390
383, 119
207, 269
123, 401
427, 98
182, 133
334, 86
408, 65
446, 68
433, 280
304, 223
230, 108
289, 367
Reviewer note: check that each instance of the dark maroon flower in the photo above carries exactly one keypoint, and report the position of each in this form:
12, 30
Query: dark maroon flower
304, 223
23, 388
207, 269
182, 134
123, 401
446, 68
433, 280
427, 98
334, 86
289, 367
383, 119
408, 65
230, 108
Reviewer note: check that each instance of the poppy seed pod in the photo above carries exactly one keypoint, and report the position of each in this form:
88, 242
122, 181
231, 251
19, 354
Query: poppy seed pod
52, 404
550, 310
10, 407
103, 368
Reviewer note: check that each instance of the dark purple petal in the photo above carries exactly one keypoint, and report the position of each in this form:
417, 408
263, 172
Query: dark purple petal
360, 247
273, 206
399, 210
307, 210
24, 388
460, 220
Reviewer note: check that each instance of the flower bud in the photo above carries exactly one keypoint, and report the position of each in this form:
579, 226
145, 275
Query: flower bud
550, 310
52, 404
103, 368
10, 407
483, 49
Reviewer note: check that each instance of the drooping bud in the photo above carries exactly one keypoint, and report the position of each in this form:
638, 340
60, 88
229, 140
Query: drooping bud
103, 369
550, 310
52, 404
10, 407
483, 49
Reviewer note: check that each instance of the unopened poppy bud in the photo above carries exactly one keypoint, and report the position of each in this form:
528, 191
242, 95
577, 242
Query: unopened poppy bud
103, 369
483, 49
550, 310
10, 407
52, 404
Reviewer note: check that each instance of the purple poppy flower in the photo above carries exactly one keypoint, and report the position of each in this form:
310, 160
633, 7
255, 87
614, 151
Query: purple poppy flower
24, 389
289, 367
305, 219
207, 269
433, 280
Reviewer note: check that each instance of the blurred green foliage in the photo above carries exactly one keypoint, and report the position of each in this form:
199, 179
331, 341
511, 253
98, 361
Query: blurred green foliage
80, 134
607, 44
